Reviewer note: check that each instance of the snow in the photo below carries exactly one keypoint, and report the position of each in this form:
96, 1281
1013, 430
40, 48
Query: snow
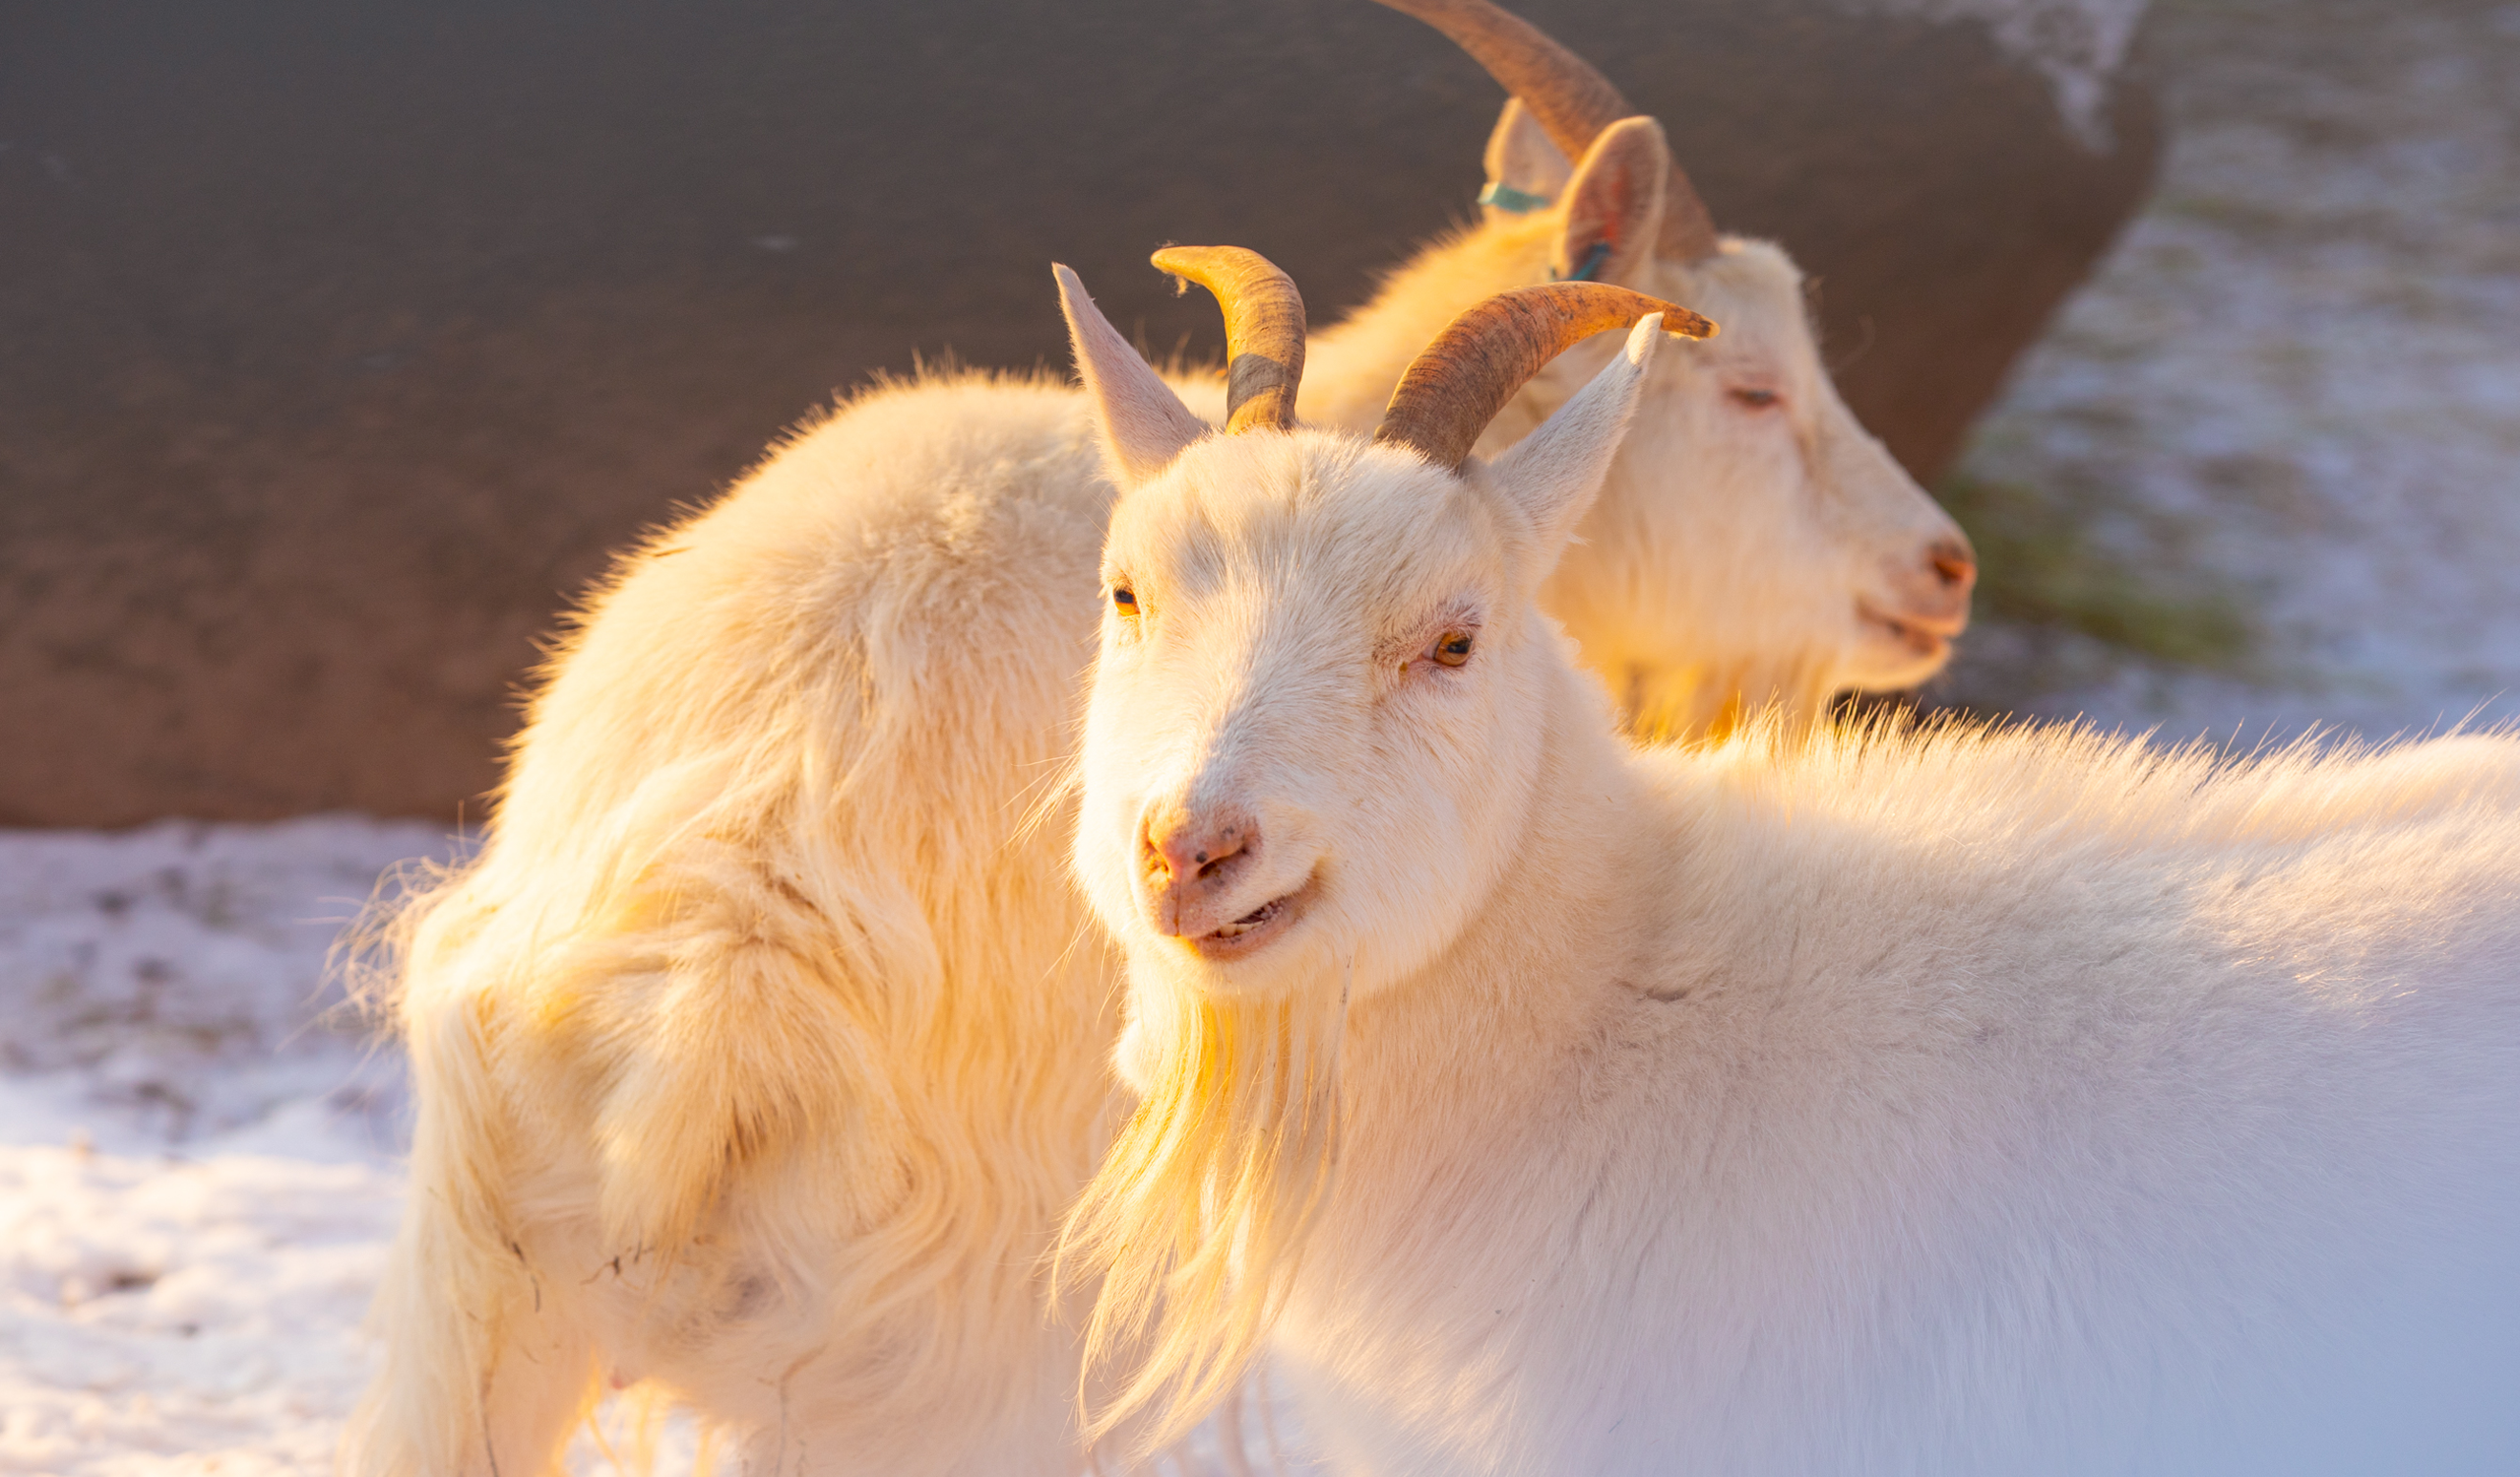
174, 978
2296, 379
167, 1315
2295, 382
197, 1178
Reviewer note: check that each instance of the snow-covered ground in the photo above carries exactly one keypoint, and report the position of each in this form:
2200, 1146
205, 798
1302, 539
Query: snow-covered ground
197, 1143
2294, 388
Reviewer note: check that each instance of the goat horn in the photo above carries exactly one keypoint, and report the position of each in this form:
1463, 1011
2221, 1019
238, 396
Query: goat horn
1572, 102
1264, 330
1490, 353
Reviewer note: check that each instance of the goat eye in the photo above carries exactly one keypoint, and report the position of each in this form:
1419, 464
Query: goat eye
1124, 600
1453, 649
1753, 397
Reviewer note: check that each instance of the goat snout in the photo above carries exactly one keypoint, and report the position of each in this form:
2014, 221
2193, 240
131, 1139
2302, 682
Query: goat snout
1192, 862
1925, 598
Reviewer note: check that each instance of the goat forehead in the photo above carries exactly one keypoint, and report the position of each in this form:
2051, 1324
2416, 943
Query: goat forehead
1310, 521
1755, 291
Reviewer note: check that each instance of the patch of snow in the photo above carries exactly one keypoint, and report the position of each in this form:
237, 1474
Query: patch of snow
172, 980
196, 1184
173, 1315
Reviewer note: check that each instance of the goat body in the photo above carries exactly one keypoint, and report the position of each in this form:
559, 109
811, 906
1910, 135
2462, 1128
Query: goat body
1932, 1102
1936, 1105
759, 1050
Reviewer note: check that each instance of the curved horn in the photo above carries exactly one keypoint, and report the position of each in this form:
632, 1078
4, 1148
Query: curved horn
1487, 353
1572, 102
1264, 330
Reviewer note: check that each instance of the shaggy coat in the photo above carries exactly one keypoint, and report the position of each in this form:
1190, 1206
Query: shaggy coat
1917, 1102
762, 1047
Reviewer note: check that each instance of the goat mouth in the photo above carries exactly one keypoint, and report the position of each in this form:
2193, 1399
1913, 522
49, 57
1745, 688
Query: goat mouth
1254, 930
1921, 635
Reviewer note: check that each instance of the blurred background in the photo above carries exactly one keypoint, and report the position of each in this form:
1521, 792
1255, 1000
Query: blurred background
340, 343
343, 342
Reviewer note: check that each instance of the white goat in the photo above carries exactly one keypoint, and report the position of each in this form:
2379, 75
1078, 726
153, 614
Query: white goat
1937, 1103
1754, 546
767, 999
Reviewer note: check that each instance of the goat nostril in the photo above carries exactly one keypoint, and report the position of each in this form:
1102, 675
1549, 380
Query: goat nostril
1178, 850
1953, 562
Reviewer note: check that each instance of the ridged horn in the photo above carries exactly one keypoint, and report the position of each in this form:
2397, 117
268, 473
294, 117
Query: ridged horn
1484, 357
1572, 102
1264, 330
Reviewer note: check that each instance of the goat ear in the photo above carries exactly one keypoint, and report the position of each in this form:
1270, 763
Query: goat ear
1525, 171
1551, 476
1144, 424
1612, 209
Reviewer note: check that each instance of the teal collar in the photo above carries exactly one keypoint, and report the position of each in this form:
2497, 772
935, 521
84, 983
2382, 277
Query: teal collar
1506, 198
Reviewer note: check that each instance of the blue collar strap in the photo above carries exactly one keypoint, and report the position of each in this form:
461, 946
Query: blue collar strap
1586, 268
1506, 198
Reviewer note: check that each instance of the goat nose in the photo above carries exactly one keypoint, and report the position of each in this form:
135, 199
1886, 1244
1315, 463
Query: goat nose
1955, 562
1180, 847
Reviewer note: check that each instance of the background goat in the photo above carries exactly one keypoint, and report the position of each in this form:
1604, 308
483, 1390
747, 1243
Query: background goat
1934, 1103
1791, 558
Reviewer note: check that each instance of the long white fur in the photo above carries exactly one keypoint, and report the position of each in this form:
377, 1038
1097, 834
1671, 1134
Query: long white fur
1886, 1101
761, 1049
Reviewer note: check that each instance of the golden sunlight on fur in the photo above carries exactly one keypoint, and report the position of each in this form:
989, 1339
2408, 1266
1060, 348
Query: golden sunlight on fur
1204, 1197
1921, 1099
766, 997
761, 1050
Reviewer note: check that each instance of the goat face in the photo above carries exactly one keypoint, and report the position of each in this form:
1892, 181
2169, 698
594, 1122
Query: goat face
1754, 543
1309, 740
1296, 718
1751, 535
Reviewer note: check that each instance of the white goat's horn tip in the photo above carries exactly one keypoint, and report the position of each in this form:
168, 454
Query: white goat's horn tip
1264, 329
1680, 323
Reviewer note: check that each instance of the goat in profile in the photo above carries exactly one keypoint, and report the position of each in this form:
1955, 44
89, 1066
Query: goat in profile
1753, 547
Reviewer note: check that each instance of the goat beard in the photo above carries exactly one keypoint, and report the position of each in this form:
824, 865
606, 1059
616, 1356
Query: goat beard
1196, 1221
